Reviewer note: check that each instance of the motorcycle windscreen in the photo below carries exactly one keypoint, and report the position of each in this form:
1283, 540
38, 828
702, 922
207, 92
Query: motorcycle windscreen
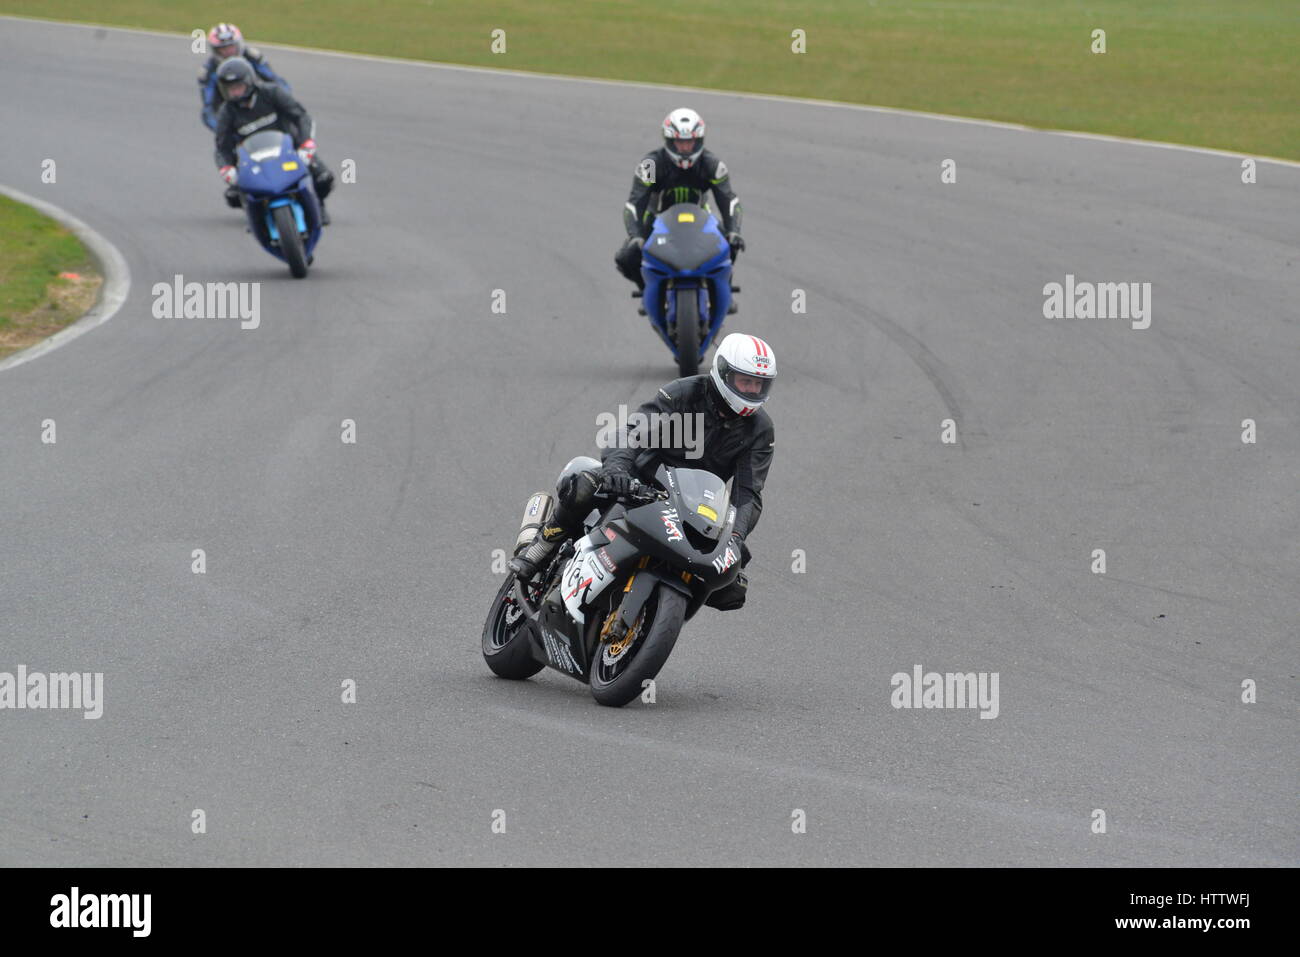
702, 499
266, 145
685, 237
268, 163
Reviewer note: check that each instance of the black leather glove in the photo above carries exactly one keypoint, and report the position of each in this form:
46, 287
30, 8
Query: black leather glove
617, 481
737, 242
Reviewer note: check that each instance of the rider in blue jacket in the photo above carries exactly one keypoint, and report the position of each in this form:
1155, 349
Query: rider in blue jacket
225, 41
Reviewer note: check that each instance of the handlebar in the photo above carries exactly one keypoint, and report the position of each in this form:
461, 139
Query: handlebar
648, 493
639, 492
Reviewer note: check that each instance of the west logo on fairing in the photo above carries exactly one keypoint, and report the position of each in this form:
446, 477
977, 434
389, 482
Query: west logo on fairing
725, 560
577, 588
669, 518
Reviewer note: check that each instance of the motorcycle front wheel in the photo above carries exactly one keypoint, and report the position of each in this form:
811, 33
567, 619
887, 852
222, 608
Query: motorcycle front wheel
688, 331
290, 241
621, 667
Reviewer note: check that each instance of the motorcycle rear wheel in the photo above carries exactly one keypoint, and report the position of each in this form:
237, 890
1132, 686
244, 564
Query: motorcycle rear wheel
505, 641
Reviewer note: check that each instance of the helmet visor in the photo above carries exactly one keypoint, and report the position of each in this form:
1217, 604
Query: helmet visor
750, 388
234, 89
226, 50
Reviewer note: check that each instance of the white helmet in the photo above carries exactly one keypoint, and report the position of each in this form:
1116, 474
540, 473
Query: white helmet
743, 370
684, 137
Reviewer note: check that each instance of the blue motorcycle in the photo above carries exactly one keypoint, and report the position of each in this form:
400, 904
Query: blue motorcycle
686, 265
276, 188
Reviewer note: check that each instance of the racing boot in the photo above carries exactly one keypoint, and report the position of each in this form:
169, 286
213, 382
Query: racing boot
549, 537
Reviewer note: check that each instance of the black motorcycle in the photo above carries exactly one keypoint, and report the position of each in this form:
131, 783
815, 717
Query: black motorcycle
608, 608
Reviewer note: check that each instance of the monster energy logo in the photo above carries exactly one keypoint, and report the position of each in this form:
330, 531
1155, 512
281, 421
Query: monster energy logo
682, 194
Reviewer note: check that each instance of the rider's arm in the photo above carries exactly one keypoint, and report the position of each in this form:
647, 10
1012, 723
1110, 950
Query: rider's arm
667, 399
728, 202
304, 128
225, 137
751, 476
643, 189
208, 95
263, 68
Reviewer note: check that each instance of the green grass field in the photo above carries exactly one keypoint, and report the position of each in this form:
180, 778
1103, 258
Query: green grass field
1223, 73
34, 301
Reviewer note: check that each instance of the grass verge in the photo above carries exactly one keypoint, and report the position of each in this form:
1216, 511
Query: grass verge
47, 278
1219, 73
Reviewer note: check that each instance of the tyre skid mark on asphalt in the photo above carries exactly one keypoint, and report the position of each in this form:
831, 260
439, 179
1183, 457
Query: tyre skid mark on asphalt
1058, 821
940, 378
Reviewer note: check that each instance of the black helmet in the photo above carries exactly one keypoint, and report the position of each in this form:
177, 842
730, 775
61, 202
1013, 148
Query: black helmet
231, 74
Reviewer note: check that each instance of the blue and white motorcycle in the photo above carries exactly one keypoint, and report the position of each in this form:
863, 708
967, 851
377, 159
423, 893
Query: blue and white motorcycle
278, 196
686, 265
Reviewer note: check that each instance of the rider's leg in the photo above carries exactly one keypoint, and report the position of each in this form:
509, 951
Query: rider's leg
323, 180
321, 177
628, 260
575, 491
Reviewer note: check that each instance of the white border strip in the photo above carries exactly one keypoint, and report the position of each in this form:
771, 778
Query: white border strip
117, 280
639, 84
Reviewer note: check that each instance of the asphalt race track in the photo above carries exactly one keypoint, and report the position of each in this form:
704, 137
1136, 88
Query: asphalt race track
326, 561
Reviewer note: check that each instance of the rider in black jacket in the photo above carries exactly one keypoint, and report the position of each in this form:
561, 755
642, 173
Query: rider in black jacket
738, 438
681, 171
251, 107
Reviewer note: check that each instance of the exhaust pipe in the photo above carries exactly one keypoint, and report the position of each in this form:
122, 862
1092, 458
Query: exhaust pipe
536, 513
